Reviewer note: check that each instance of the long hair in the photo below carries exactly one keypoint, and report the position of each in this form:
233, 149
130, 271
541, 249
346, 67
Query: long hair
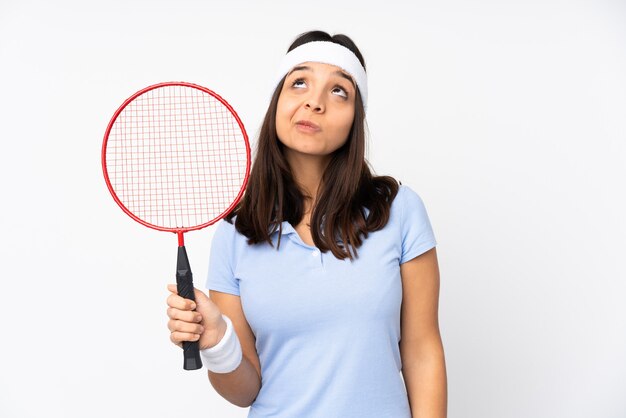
339, 222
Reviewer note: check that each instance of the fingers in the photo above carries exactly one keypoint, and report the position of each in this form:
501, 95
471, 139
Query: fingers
181, 330
184, 331
186, 321
178, 302
200, 297
175, 325
186, 316
178, 337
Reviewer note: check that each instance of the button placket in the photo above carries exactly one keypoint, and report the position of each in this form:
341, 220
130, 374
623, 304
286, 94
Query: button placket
315, 254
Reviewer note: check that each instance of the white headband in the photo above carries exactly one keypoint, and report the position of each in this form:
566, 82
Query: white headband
325, 53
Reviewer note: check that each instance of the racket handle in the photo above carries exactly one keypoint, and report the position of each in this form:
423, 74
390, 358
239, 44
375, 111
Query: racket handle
184, 284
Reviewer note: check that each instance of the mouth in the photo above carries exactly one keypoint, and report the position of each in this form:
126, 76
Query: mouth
307, 126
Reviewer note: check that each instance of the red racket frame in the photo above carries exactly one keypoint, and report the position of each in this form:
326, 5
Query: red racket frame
178, 231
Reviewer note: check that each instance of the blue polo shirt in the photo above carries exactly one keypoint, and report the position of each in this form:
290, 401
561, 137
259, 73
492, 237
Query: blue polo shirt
327, 330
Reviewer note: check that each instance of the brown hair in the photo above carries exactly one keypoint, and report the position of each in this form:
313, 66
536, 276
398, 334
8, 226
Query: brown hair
347, 186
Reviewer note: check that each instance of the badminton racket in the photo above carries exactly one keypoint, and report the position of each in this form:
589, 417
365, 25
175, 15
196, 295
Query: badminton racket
176, 158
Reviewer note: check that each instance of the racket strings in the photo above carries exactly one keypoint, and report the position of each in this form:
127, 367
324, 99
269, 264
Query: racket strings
176, 157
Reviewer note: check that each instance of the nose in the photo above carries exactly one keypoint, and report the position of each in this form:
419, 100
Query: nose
314, 102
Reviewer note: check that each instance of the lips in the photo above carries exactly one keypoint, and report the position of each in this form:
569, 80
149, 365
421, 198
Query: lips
307, 126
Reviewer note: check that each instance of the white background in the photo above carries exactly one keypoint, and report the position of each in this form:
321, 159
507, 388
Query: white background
508, 118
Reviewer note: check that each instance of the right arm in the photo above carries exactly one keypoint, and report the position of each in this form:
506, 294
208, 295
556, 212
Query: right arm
241, 386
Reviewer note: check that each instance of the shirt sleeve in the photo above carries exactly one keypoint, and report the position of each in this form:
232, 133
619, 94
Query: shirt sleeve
221, 276
417, 233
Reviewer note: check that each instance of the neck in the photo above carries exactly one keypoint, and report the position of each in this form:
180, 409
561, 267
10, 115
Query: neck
307, 171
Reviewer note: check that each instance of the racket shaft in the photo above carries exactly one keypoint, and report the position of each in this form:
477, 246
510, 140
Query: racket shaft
184, 284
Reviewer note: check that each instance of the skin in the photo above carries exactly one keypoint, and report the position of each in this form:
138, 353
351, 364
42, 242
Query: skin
322, 95
325, 96
421, 348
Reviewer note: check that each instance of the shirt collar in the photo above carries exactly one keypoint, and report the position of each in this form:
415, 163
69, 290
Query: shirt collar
287, 229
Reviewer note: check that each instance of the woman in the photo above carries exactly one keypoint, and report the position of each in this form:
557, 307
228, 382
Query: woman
324, 281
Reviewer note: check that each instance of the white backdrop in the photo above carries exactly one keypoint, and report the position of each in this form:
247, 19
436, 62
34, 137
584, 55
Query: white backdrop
507, 117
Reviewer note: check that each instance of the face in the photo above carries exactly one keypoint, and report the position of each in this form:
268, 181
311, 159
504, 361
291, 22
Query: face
315, 110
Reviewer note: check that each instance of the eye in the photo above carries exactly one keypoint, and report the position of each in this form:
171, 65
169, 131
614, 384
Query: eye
340, 91
298, 83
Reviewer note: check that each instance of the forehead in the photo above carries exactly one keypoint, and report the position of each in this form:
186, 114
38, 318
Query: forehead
322, 69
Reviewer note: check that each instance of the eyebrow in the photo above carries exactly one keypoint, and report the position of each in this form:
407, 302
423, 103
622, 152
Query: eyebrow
306, 68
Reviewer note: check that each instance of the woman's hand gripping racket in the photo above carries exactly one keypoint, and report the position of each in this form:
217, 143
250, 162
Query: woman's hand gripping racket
176, 158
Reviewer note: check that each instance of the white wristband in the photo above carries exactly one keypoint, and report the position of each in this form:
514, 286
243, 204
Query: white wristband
226, 355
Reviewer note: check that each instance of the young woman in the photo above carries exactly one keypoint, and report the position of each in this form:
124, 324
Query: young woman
324, 281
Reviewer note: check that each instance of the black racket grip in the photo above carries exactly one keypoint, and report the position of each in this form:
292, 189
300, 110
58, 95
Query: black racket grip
184, 284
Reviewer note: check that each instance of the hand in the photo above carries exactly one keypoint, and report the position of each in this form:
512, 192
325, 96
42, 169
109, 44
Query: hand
194, 321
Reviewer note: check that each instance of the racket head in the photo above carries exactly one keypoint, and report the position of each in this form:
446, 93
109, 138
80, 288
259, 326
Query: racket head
176, 157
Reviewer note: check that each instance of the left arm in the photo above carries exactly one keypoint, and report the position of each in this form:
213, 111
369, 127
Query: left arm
421, 349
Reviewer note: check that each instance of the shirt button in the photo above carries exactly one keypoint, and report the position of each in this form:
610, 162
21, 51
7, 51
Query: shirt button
315, 253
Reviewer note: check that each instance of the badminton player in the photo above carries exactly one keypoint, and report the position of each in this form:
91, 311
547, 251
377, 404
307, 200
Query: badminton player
324, 280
